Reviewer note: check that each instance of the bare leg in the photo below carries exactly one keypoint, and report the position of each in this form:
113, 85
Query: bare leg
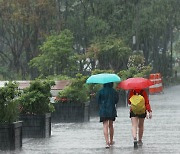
134, 121
111, 129
141, 128
105, 130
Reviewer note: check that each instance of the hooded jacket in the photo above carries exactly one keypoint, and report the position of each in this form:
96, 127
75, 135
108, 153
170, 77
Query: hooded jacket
107, 99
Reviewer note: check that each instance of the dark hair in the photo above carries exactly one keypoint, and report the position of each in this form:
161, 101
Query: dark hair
110, 84
138, 91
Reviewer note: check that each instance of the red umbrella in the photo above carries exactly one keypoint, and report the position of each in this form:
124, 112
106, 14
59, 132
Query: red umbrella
135, 83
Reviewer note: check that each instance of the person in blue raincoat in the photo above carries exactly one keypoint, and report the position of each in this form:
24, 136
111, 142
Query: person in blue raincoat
107, 99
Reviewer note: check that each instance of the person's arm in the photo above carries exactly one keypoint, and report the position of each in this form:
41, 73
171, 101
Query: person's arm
147, 104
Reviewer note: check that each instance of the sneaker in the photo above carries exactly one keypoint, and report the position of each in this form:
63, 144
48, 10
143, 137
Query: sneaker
107, 146
140, 143
112, 143
135, 144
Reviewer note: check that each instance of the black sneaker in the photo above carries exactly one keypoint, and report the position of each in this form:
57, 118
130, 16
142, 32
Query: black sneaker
135, 144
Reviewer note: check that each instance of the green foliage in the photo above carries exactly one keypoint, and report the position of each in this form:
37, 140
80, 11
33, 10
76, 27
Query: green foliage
57, 55
36, 98
111, 52
76, 92
136, 68
8, 104
4, 73
133, 72
26, 24
177, 48
145, 71
97, 27
136, 61
93, 89
124, 74
98, 71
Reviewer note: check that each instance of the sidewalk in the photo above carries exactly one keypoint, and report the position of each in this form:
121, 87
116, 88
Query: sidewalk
161, 135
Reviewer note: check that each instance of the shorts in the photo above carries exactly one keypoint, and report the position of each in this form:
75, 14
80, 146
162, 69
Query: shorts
137, 115
102, 119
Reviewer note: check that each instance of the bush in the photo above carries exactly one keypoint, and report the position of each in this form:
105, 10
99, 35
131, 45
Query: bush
76, 92
36, 98
132, 72
136, 68
8, 104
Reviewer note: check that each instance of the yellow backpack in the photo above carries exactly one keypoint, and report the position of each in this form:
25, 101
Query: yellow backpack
138, 104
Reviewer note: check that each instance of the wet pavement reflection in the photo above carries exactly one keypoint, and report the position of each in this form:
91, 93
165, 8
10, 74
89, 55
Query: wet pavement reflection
161, 135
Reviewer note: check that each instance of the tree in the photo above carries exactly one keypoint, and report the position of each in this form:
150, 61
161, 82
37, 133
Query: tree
57, 56
23, 25
111, 53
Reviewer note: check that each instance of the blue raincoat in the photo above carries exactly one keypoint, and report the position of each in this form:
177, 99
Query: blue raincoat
107, 99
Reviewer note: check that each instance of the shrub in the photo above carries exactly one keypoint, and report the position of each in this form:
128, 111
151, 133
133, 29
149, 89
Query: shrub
76, 92
36, 98
136, 68
8, 104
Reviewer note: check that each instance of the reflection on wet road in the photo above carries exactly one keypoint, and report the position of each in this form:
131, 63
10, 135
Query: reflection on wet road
161, 135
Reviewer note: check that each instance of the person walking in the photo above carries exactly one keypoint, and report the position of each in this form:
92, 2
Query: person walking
137, 119
107, 99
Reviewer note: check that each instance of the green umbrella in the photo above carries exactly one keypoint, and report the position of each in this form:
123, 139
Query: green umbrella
103, 78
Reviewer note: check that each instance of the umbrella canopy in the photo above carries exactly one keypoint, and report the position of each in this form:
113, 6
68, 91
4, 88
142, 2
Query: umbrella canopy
135, 83
103, 78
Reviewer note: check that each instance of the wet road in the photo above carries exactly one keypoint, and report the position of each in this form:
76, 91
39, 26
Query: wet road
161, 135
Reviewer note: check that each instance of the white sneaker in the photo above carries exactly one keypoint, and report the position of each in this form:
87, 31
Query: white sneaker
107, 146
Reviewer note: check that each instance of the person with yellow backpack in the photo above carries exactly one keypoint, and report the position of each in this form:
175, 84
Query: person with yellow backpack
139, 110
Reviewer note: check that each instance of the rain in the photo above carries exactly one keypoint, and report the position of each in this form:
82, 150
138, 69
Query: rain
49, 49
